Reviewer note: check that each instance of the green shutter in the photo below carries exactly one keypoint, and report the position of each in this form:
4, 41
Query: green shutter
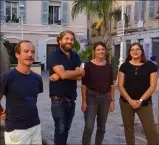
151, 9
136, 12
44, 12
64, 12
23, 2
3, 11
142, 10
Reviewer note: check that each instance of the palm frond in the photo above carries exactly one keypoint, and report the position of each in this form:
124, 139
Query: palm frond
83, 5
116, 13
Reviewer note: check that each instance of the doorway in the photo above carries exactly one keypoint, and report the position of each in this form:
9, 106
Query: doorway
50, 48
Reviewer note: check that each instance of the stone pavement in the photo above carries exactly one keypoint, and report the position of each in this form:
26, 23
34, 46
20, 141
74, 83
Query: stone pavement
114, 127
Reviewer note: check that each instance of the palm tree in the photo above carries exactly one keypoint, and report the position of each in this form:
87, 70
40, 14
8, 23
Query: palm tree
105, 9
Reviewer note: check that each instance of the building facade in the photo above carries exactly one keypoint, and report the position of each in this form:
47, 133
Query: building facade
40, 22
142, 26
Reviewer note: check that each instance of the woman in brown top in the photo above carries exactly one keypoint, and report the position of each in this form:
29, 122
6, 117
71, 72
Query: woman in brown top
97, 94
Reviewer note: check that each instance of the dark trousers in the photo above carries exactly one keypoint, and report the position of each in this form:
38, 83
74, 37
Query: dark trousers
146, 117
62, 112
97, 105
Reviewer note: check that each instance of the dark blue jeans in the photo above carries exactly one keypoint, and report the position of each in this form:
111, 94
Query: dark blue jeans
62, 112
97, 106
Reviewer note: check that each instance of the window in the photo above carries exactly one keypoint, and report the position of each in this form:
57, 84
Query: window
54, 15
128, 43
128, 13
141, 41
12, 12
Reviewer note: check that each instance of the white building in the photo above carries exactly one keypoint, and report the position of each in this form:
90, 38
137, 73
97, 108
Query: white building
42, 21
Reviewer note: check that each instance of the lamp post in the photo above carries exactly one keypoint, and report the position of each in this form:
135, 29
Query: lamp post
121, 59
21, 6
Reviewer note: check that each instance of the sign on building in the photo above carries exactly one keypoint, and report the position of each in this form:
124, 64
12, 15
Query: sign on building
120, 30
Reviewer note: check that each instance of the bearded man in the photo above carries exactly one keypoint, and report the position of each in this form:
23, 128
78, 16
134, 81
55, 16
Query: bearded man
64, 68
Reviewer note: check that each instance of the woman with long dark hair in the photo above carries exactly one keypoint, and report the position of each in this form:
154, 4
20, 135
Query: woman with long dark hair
137, 80
97, 94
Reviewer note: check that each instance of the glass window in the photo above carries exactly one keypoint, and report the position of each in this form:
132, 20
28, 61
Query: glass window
12, 12
54, 14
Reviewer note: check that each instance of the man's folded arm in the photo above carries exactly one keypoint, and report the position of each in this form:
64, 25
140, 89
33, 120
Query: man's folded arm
67, 74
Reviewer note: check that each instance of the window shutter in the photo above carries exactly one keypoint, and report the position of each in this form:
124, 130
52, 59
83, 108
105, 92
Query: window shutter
151, 8
128, 12
142, 10
136, 13
45, 11
64, 12
23, 2
3, 11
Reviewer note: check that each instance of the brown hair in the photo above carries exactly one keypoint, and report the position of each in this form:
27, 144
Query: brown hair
18, 45
97, 44
62, 34
143, 58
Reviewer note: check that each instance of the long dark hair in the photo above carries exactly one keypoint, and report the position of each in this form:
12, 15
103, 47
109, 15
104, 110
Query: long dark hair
143, 58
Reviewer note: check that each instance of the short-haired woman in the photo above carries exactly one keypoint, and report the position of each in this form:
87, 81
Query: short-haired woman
97, 94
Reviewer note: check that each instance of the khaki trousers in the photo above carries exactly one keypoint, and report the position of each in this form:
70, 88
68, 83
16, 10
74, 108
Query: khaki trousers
145, 114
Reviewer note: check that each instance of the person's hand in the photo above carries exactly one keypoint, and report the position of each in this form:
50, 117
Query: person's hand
79, 78
84, 107
139, 103
112, 106
134, 104
3, 115
54, 77
81, 70
62, 67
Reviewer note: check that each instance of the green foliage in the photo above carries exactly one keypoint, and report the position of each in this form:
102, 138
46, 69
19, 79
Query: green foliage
86, 55
10, 49
105, 9
99, 8
76, 46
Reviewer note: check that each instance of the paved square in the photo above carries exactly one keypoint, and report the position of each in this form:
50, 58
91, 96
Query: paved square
114, 127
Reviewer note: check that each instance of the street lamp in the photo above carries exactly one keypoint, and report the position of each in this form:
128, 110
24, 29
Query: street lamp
121, 59
21, 7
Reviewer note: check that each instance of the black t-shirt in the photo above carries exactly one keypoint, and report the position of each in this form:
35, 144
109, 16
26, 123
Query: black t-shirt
67, 87
98, 78
21, 93
137, 79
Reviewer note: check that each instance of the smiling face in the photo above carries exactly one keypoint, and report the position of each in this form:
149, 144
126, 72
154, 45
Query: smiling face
26, 54
99, 52
67, 42
135, 52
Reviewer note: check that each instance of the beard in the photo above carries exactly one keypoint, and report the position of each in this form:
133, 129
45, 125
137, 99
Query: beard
66, 47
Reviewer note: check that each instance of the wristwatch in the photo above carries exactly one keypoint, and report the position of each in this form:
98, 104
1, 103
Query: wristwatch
141, 100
